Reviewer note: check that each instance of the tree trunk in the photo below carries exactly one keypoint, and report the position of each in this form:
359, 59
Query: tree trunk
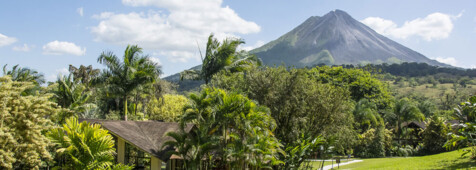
125, 108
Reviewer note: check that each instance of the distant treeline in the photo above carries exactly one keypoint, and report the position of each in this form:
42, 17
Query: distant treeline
415, 69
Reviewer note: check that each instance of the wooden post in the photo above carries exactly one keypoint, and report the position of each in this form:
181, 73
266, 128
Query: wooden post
155, 163
338, 162
121, 150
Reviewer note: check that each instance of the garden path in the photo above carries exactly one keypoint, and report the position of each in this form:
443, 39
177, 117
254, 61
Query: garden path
342, 164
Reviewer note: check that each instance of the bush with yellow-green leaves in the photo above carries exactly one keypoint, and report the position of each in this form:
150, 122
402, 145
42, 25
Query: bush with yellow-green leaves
23, 121
169, 108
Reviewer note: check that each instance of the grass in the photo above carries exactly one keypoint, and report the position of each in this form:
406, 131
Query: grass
447, 160
429, 91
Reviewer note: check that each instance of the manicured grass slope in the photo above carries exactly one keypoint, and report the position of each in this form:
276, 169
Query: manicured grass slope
447, 160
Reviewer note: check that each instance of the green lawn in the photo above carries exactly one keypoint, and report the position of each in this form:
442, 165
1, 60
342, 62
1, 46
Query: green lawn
447, 160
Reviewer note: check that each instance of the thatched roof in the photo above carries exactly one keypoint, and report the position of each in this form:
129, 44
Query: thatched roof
148, 136
414, 124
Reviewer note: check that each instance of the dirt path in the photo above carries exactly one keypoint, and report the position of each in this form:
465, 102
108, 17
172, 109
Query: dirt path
342, 164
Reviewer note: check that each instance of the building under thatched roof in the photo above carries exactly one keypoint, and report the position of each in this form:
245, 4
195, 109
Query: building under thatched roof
422, 125
147, 136
414, 124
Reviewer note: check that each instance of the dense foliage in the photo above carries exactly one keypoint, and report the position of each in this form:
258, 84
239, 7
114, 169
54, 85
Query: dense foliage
85, 146
419, 69
298, 103
230, 129
372, 143
168, 108
121, 79
466, 130
435, 135
360, 83
23, 122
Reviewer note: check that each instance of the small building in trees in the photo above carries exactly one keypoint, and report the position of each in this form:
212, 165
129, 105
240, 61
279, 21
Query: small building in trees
414, 129
139, 143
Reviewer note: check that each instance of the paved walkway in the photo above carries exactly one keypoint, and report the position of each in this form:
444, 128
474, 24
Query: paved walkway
342, 164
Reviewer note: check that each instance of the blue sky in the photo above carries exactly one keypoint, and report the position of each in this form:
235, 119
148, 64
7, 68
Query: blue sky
49, 35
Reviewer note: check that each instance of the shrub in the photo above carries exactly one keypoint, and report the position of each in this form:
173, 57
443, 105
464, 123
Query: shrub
434, 136
23, 120
372, 143
169, 108
85, 146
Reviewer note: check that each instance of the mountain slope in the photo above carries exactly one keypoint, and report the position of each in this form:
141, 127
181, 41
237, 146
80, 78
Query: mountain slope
334, 39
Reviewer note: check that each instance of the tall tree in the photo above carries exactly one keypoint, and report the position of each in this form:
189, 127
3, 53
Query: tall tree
404, 111
73, 95
83, 73
121, 78
366, 115
219, 56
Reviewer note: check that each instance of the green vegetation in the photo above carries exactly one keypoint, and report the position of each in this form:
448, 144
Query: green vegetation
123, 78
231, 126
24, 74
23, 122
435, 135
219, 56
447, 160
297, 102
85, 146
167, 108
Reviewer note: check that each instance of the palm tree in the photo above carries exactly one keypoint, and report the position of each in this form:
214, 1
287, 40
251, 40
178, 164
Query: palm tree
428, 108
24, 74
232, 125
219, 56
366, 114
122, 78
193, 147
405, 110
87, 146
85, 74
73, 95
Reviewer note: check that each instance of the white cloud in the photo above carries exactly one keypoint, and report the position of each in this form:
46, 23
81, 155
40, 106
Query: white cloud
181, 56
58, 72
447, 60
63, 71
256, 45
176, 31
459, 15
432, 27
23, 48
155, 60
4, 40
80, 11
62, 48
